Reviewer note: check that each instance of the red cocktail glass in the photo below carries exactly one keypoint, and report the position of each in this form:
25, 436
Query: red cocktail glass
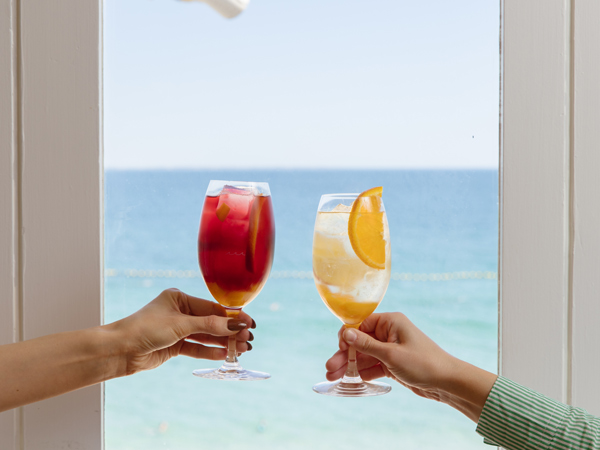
235, 251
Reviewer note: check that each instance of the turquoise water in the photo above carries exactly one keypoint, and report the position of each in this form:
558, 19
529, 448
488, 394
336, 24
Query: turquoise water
444, 228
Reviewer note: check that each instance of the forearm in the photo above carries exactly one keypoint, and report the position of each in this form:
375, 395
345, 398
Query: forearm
466, 388
40, 368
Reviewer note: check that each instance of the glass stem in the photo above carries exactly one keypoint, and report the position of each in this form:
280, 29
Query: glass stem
352, 375
231, 362
232, 350
352, 369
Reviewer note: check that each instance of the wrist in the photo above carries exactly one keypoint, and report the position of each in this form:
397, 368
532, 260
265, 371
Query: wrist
466, 388
111, 351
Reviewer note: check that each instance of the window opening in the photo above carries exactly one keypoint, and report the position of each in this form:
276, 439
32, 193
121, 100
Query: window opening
313, 98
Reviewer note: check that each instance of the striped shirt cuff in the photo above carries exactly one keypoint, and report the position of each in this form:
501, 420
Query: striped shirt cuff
516, 417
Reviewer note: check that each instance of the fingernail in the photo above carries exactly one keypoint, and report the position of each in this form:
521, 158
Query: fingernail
253, 324
251, 338
236, 324
350, 336
249, 346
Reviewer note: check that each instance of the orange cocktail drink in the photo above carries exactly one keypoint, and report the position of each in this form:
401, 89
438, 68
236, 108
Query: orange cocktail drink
350, 288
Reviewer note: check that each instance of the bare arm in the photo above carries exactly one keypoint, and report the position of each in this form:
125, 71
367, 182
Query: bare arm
172, 324
51, 365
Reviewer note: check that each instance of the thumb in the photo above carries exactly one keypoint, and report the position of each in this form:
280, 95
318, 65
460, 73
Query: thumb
366, 344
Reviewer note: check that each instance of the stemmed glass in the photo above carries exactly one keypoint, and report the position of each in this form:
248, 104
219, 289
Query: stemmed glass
235, 252
350, 273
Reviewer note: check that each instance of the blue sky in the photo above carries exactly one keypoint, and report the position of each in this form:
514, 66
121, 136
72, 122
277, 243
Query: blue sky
301, 84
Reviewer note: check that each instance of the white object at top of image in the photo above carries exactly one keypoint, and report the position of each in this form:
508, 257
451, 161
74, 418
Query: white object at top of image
227, 8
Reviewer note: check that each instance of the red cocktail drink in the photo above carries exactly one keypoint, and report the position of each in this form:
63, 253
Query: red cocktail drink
235, 244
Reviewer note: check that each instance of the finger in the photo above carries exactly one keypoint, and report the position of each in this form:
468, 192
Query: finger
365, 365
200, 351
369, 325
372, 373
213, 325
366, 344
246, 318
343, 346
188, 304
200, 307
336, 375
365, 362
197, 306
220, 341
243, 336
339, 359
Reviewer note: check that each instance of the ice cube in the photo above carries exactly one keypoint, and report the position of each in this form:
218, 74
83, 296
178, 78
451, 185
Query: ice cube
237, 190
237, 200
342, 208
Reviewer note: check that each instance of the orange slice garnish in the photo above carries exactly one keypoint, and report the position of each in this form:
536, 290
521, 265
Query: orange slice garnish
254, 222
223, 211
365, 228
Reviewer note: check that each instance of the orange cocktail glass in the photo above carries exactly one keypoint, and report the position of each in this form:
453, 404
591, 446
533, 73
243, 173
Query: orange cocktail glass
351, 267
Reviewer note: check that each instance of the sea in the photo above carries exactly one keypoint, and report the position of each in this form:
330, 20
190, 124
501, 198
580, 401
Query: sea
444, 239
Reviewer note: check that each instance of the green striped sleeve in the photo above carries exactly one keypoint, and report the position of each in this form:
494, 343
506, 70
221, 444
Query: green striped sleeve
515, 417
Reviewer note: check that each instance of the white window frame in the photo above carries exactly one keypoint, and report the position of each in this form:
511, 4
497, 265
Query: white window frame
51, 175
550, 215
51, 266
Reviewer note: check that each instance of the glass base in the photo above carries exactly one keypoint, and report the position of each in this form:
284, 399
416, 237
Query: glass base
231, 372
362, 389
